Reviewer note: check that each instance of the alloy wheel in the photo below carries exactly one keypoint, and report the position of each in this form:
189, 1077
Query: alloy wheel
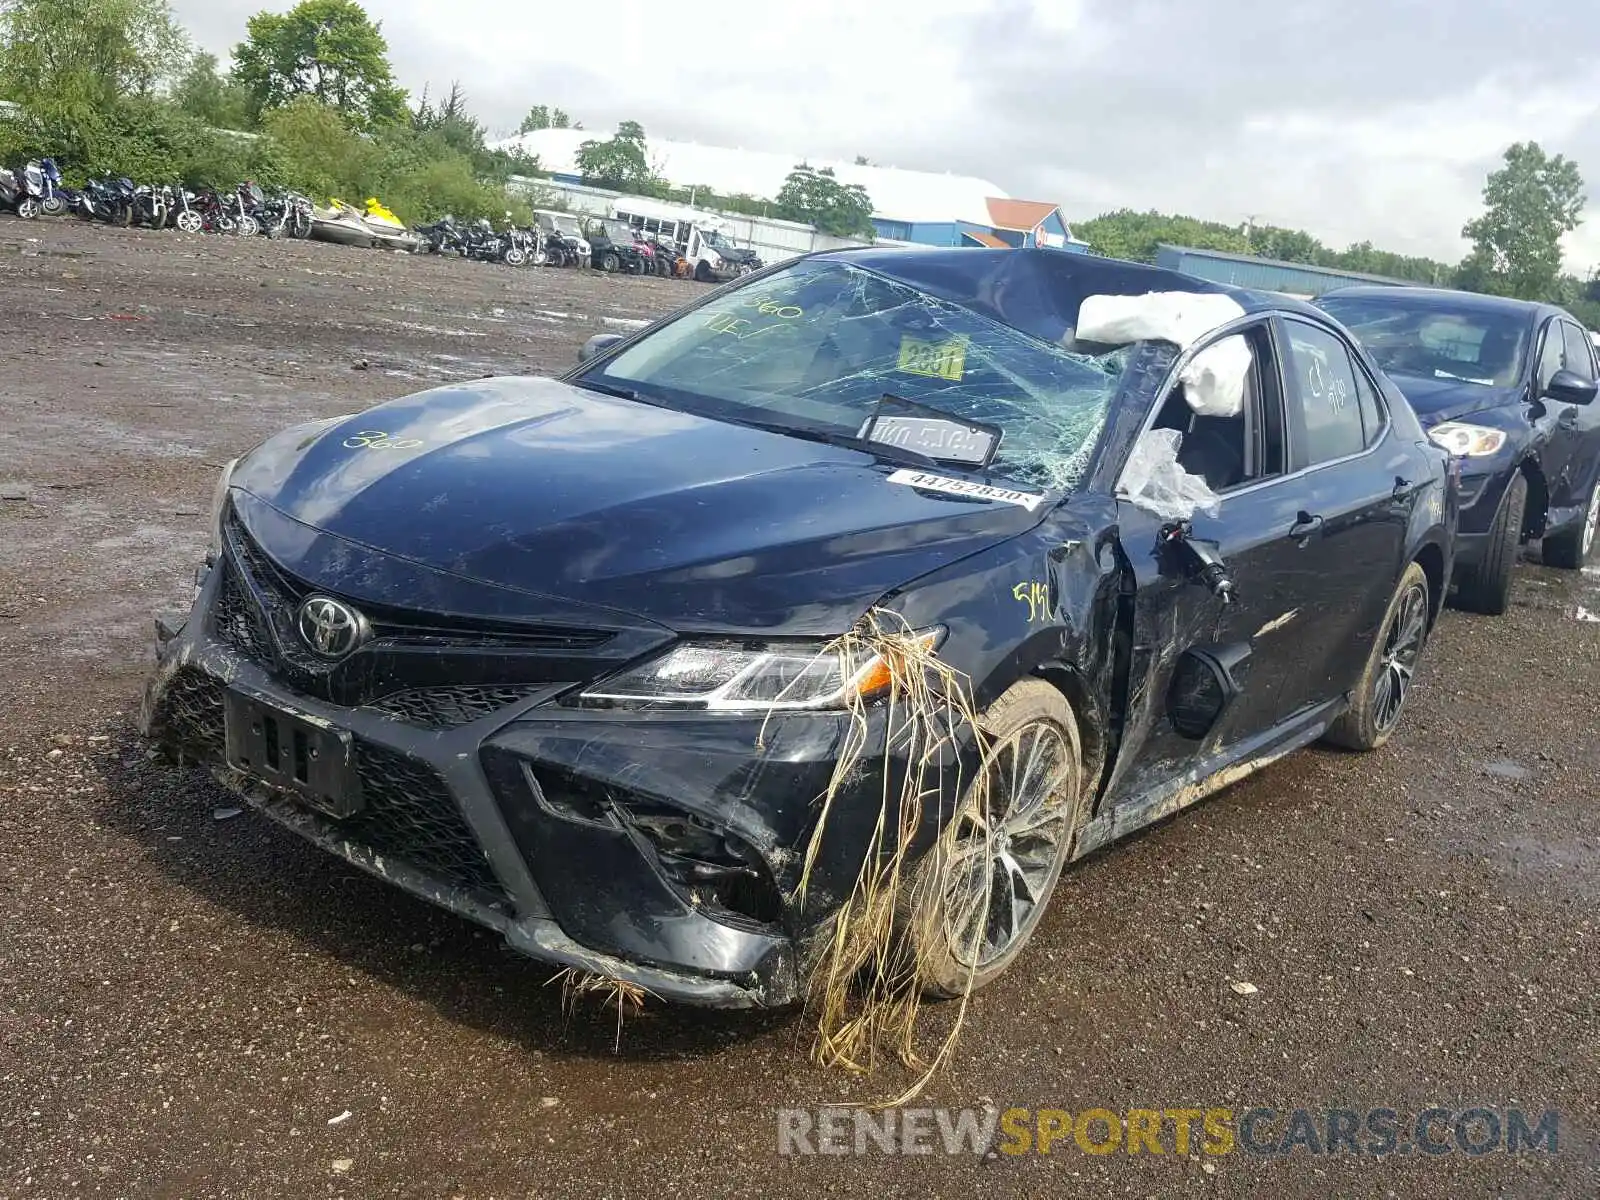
1402, 647
1591, 522
1009, 845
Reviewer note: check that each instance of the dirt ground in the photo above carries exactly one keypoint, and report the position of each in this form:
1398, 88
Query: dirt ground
188, 1005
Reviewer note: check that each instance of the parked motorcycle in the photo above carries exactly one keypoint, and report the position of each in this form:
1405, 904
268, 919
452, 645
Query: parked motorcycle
185, 215
54, 201
28, 201
441, 237
109, 202
562, 239
150, 207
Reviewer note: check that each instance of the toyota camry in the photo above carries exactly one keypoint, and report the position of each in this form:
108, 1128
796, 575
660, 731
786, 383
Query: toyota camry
567, 656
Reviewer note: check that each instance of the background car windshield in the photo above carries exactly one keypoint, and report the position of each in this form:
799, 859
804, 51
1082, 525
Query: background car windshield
1437, 342
817, 346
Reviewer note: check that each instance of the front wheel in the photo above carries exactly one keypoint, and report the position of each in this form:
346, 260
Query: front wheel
1380, 694
189, 221
52, 206
609, 263
1570, 549
1486, 588
248, 227
27, 208
977, 896
516, 256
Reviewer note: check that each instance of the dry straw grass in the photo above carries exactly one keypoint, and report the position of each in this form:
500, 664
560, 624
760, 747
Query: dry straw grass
627, 998
866, 988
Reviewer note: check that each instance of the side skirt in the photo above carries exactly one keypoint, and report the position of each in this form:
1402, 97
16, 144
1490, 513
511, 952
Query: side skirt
1208, 777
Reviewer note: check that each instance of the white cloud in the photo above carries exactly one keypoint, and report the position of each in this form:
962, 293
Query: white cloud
1368, 120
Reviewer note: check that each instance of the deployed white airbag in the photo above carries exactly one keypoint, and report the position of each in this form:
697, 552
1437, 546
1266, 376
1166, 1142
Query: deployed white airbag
1181, 317
1213, 382
1155, 482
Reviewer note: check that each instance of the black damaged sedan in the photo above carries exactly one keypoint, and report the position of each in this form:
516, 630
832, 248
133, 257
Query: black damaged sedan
561, 654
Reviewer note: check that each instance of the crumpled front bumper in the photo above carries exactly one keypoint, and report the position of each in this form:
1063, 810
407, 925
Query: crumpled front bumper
546, 822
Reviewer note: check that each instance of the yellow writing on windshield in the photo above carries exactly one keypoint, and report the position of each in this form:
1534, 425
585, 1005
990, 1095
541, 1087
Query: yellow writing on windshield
937, 360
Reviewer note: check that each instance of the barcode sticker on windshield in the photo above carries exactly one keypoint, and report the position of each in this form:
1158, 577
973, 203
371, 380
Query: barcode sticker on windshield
965, 487
937, 360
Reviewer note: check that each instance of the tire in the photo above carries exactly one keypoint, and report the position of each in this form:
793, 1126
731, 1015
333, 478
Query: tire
1487, 588
123, 216
1380, 694
160, 219
52, 206
516, 256
190, 221
609, 262
1571, 548
27, 208
1031, 723
248, 226
702, 273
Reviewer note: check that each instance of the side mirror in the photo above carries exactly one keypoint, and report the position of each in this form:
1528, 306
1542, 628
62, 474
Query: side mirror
597, 345
1571, 388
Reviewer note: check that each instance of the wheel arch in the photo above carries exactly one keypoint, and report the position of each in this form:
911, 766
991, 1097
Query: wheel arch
1092, 736
1430, 557
1537, 512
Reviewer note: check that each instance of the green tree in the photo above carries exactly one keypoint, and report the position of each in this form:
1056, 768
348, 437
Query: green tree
1528, 205
62, 56
620, 162
1138, 236
329, 50
818, 198
542, 116
209, 96
1287, 245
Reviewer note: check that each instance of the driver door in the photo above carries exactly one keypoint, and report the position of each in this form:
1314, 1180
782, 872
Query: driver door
1569, 457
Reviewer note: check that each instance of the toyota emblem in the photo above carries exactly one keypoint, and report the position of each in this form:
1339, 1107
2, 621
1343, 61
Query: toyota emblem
330, 627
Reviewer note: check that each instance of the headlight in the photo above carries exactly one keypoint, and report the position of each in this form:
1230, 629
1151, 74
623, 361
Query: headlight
697, 675
219, 501
1467, 441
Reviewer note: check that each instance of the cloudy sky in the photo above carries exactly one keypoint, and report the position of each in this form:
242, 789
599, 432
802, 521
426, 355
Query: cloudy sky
1354, 119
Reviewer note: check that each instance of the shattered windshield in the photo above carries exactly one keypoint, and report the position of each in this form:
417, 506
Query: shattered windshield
816, 348
1436, 342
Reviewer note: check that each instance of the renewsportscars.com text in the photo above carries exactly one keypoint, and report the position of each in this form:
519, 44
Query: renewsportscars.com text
1378, 1132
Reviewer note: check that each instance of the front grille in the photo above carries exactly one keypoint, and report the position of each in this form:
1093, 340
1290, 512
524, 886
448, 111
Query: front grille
408, 812
189, 714
450, 706
238, 620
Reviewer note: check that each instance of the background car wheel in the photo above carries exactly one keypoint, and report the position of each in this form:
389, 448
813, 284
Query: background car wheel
977, 896
1380, 694
1487, 589
610, 262
1571, 548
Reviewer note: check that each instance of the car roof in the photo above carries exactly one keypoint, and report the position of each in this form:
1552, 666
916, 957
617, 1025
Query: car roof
1451, 300
1039, 291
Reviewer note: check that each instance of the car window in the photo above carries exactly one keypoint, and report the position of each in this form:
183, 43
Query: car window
1433, 340
1373, 414
1326, 398
1553, 357
1232, 452
1580, 356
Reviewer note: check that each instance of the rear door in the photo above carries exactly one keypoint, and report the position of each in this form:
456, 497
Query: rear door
1353, 484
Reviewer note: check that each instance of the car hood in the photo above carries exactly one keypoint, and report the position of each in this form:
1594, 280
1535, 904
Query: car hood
553, 491
1436, 400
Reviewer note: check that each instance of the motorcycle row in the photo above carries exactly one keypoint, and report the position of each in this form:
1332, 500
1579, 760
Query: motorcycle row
557, 239
554, 238
36, 190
